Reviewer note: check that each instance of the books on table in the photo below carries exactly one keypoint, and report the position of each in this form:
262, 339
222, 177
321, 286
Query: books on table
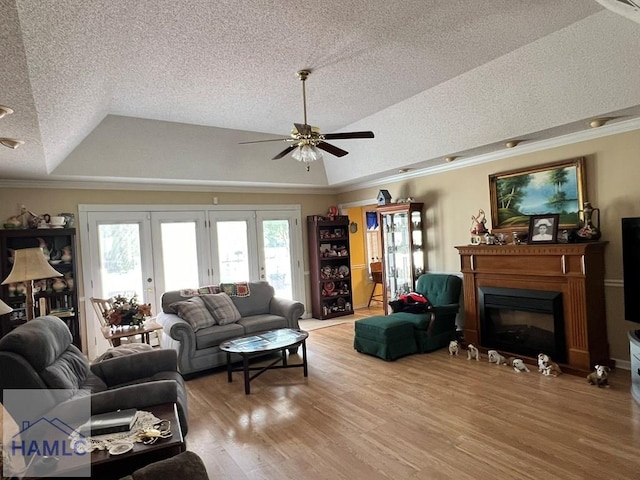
110, 422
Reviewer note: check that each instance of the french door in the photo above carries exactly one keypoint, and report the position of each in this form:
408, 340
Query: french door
157, 249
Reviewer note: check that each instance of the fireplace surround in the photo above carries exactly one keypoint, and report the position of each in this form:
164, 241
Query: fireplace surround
574, 271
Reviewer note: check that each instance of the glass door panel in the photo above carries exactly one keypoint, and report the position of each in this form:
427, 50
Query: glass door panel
279, 259
276, 252
180, 250
233, 251
234, 246
120, 260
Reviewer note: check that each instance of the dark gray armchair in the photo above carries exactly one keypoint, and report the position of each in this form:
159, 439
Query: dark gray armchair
184, 465
40, 355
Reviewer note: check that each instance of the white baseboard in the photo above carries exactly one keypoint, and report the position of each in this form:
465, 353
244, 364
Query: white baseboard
622, 364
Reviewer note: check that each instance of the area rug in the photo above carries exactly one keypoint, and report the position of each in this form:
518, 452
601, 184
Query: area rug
313, 324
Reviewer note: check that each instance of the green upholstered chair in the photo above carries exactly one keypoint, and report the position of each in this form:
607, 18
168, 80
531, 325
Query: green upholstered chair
436, 328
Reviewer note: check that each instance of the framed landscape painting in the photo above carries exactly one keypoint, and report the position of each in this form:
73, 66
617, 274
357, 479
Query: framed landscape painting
554, 188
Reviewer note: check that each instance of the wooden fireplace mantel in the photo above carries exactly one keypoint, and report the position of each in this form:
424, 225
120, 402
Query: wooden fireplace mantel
576, 270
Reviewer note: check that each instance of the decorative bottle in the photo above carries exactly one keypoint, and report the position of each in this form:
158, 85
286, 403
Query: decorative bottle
589, 230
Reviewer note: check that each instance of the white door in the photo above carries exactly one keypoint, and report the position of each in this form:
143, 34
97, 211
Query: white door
280, 262
121, 263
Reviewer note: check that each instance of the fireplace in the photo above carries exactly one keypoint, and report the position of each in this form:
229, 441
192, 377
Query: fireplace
569, 278
522, 322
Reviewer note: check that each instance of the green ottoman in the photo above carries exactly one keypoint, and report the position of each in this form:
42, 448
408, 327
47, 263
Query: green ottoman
384, 337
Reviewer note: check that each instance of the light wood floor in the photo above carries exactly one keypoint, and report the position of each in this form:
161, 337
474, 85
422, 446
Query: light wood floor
426, 416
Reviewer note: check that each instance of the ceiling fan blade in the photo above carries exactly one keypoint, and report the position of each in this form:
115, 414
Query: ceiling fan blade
333, 150
284, 152
345, 135
303, 128
284, 139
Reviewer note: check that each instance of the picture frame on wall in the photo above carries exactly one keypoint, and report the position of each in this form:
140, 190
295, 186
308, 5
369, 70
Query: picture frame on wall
552, 188
543, 228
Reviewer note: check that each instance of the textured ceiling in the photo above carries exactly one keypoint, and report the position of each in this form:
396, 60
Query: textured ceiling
163, 91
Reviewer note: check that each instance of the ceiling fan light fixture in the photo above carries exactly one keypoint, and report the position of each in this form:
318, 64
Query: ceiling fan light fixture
12, 143
4, 111
307, 154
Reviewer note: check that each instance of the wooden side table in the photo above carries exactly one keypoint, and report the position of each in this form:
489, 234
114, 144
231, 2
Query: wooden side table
115, 335
105, 466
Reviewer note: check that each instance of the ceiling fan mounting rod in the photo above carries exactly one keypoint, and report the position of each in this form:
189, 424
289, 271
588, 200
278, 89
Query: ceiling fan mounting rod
303, 75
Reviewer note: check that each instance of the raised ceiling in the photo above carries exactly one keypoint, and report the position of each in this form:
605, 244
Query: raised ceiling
159, 91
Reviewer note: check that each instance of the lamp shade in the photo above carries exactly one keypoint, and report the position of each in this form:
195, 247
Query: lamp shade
4, 308
30, 264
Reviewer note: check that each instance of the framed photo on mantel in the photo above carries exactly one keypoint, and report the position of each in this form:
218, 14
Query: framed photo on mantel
543, 228
545, 190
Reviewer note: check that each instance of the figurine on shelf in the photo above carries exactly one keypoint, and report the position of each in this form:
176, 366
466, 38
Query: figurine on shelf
68, 278
66, 254
478, 223
58, 285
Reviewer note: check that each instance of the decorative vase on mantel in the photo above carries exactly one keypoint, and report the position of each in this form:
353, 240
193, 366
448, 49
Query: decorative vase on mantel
589, 231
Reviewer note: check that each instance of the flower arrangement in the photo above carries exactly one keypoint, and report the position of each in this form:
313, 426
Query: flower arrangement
127, 311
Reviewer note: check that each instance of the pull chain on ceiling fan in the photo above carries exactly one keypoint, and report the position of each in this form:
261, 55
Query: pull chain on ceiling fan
308, 141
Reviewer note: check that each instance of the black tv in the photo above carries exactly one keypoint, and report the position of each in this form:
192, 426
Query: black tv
631, 267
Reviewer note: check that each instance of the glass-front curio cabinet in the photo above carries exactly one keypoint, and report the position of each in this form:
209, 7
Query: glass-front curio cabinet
402, 246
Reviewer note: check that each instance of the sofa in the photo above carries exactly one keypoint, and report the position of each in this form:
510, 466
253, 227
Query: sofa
40, 354
195, 323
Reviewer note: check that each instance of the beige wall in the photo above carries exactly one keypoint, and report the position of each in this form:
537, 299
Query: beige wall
612, 171
450, 198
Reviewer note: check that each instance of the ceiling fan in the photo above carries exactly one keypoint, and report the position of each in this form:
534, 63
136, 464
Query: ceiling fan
307, 141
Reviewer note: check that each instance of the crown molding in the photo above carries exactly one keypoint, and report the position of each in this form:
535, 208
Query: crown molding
522, 149
167, 187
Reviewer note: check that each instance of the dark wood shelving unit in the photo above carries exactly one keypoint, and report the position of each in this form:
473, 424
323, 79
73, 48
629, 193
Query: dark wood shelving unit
330, 269
51, 296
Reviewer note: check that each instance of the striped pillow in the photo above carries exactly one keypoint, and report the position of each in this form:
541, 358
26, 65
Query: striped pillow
221, 307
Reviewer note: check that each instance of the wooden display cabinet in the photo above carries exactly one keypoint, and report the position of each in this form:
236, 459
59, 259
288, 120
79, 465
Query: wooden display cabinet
54, 296
402, 248
330, 269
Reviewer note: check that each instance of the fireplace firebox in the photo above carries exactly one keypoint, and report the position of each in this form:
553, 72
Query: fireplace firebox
522, 322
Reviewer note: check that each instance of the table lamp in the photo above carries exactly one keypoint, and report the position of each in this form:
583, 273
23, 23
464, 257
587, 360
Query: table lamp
4, 308
30, 264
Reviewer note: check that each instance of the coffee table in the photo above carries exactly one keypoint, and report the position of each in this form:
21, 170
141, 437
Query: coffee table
271, 341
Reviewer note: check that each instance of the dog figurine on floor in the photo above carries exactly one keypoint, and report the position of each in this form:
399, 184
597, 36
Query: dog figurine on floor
453, 347
518, 365
547, 367
473, 352
600, 376
495, 357
543, 360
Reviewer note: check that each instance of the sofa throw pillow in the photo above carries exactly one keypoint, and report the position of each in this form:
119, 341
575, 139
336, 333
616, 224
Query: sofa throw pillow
222, 308
195, 312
